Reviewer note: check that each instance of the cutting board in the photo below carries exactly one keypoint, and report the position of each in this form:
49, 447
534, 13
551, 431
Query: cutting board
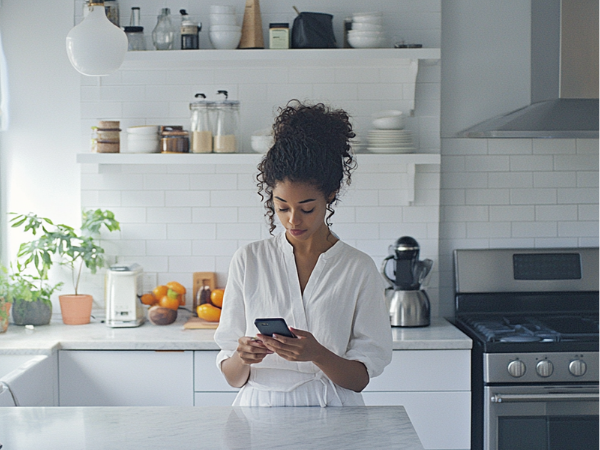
196, 323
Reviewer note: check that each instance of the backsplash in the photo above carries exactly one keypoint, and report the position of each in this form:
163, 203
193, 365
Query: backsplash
178, 219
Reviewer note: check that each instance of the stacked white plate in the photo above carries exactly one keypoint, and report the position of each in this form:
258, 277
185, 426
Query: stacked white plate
391, 141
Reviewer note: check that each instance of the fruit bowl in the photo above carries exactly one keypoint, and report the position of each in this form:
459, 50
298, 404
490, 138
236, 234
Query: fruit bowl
162, 316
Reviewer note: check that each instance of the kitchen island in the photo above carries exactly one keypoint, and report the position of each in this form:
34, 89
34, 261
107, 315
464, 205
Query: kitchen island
212, 428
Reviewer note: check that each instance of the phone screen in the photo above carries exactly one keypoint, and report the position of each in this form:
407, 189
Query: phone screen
271, 326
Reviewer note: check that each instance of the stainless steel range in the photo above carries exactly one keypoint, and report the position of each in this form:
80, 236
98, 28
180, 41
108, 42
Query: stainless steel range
533, 318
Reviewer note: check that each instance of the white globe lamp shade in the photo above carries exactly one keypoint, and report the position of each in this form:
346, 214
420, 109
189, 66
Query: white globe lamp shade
96, 47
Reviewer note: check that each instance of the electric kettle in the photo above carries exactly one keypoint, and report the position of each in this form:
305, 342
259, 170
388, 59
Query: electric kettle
408, 303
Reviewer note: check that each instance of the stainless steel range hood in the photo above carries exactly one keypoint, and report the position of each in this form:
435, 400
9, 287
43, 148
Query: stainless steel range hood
564, 76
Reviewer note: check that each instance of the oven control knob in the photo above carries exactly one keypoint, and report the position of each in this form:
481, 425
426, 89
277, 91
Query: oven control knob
516, 368
577, 367
544, 368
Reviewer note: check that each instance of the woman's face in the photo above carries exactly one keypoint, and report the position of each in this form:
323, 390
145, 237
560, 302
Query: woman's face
301, 209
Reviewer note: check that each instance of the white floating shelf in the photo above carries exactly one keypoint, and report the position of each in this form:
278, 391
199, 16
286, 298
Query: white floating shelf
239, 158
181, 58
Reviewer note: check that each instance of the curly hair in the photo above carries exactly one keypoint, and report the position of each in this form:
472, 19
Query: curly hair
311, 145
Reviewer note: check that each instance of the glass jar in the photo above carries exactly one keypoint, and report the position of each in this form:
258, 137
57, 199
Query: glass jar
202, 112
163, 35
135, 38
175, 142
226, 134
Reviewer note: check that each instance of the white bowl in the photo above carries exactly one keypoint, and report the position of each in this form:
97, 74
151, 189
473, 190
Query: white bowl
225, 39
143, 129
365, 26
366, 33
143, 146
222, 9
142, 137
365, 41
388, 120
376, 18
222, 19
225, 28
261, 144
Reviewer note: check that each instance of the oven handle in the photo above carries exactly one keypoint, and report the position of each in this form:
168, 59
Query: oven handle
581, 397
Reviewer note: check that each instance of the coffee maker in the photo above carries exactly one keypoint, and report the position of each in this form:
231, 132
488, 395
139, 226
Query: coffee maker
408, 303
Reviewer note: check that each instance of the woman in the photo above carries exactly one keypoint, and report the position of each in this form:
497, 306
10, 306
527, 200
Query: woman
330, 294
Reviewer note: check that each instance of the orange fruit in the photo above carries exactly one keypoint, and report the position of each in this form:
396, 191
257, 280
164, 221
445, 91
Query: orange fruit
177, 287
148, 299
160, 291
168, 302
216, 297
209, 313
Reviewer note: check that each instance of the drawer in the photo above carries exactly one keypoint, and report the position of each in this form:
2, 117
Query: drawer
425, 370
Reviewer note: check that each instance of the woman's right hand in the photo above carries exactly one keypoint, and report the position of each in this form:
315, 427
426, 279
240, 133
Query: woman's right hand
251, 350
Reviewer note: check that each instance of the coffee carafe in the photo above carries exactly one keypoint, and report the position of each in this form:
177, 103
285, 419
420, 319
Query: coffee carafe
408, 303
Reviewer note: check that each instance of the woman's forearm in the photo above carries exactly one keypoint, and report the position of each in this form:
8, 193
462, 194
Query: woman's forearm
348, 374
235, 371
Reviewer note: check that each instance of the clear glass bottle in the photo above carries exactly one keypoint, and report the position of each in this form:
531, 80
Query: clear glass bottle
163, 34
227, 125
135, 32
202, 112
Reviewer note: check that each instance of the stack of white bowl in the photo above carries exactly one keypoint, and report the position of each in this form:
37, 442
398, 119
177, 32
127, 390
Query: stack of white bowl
224, 32
367, 30
389, 135
143, 139
262, 140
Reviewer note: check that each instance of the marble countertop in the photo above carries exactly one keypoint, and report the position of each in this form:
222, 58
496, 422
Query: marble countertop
440, 335
126, 428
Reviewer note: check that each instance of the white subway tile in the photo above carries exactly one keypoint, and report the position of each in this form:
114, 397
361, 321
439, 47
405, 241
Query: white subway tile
389, 232
143, 110
460, 180
377, 181
547, 213
312, 75
511, 243
252, 92
457, 147
510, 179
101, 110
363, 197
532, 196
488, 197
450, 197
587, 146
153, 263
587, 212
111, 182
393, 197
243, 231
143, 230
189, 78
170, 247
576, 162
497, 230
213, 182
532, 163
554, 179
167, 182
169, 215
587, 242
233, 198
362, 75
512, 213
387, 91
185, 198
510, 146
587, 179
454, 164
366, 214
477, 163
191, 169
453, 230
335, 92
143, 198
578, 229
534, 229
555, 242
348, 231
89, 93
464, 213
251, 215
554, 146
578, 195
122, 94
215, 215
190, 231
214, 247
143, 77
131, 247
421, 214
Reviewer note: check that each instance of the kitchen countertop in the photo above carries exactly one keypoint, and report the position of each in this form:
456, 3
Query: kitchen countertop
126, 428
440, 335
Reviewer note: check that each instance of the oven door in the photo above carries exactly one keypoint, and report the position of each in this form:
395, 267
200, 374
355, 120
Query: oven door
541, 417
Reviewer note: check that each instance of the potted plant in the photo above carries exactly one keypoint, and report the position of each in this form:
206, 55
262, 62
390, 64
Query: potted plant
75, 251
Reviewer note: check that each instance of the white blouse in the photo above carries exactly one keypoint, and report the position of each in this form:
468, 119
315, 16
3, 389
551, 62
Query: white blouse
343, 306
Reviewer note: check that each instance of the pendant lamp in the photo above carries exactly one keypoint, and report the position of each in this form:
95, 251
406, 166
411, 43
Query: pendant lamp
96, 47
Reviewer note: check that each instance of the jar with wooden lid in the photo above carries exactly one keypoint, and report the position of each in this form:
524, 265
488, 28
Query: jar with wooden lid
106, 137
175, 141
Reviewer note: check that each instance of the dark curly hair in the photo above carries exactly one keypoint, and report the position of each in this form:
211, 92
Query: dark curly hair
311, 145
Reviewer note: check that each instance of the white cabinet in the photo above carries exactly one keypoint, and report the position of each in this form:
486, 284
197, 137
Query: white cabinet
434, 387
210, 387
125, 378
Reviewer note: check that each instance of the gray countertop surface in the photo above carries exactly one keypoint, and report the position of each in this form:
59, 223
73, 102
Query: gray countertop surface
127, 428
440, 335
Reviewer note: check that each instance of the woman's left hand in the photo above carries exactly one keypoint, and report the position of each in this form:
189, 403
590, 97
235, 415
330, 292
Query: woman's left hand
304, 347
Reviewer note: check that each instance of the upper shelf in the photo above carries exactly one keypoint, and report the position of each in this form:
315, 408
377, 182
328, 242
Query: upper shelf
239, 158
193, 57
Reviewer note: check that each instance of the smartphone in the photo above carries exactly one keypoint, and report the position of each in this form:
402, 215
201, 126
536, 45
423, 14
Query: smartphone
268, 327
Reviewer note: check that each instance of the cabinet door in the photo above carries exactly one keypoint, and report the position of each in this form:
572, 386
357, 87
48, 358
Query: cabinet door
207, 377
125, 378
441, 419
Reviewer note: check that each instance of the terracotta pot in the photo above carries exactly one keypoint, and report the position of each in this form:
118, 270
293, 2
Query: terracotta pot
4, 321
76, 309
